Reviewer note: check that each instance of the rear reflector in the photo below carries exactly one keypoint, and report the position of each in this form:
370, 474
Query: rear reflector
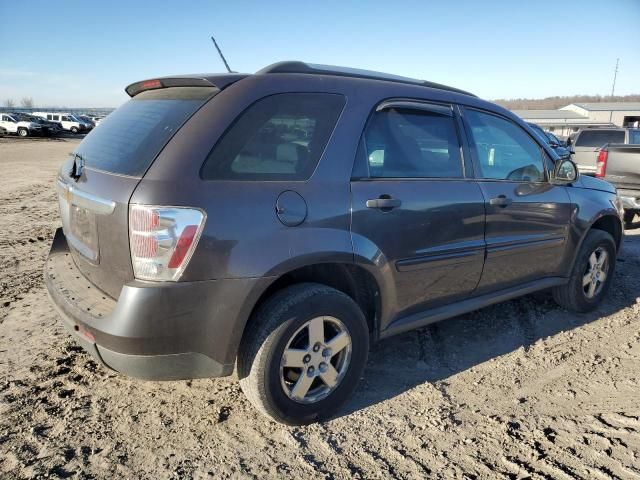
162, 240
601, 166
184, 244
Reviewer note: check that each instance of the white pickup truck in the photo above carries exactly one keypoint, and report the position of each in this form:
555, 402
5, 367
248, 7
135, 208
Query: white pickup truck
68, 121
22, 128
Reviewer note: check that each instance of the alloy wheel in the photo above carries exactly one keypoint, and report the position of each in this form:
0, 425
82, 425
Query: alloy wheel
596, 272
315, 359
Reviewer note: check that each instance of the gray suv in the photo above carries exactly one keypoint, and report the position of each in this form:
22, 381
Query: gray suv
281, 222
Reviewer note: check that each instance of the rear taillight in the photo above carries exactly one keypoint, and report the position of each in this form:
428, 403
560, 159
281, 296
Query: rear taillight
601, 166
162, 240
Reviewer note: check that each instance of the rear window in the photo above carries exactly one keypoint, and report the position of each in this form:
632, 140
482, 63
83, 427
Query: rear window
597, 138
634, 137
130, 138
280, 137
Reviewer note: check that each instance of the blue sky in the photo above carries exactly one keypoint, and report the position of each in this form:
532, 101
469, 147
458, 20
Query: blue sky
83, 53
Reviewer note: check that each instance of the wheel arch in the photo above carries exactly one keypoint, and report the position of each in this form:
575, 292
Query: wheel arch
354, 280
607, 221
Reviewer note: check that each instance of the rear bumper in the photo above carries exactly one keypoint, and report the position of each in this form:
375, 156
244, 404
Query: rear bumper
154, 331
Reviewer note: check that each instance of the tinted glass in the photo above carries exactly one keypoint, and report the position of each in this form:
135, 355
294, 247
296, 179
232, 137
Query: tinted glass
504, 151
130, 138
634, 137
553, 138
597, 138
280, 137
407, 143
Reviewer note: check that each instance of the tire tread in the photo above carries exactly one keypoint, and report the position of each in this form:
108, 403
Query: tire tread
251, 362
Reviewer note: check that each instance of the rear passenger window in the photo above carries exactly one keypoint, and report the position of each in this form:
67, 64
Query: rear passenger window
503, 150
280, 137
597, 138
412, 143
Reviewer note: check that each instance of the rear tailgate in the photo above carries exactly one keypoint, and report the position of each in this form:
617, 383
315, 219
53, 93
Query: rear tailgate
623, 166
96, 183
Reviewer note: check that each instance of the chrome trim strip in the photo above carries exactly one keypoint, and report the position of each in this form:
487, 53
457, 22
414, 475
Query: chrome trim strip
86, 200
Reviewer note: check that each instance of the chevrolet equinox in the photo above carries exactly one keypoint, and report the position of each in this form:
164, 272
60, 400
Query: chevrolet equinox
279, 223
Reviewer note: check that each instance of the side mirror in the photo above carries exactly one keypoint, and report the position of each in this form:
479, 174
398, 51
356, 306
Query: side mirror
553, 145
565, 172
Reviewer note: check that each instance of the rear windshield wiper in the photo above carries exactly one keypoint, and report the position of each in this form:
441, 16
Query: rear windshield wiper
78, 166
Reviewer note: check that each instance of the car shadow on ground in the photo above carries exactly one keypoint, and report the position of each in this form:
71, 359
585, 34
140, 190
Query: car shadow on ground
441, 350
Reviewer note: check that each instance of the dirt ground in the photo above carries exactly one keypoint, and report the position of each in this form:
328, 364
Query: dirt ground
518, 390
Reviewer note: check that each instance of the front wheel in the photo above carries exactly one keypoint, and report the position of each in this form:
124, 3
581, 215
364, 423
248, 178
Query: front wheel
303, 355
74, 130
592, 274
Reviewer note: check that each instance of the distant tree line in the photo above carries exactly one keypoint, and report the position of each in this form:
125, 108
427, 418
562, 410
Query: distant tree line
26, 102
553, 103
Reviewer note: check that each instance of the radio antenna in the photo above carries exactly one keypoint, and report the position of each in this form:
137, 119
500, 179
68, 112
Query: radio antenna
221, 55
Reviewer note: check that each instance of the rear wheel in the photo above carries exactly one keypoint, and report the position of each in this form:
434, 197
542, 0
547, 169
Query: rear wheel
23, 132
629, 216
304, 353
592, 274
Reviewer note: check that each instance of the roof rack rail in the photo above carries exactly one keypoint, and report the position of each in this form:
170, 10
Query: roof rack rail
312, 68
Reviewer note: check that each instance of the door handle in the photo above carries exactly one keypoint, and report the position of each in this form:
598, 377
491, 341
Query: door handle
500, 201
383, 203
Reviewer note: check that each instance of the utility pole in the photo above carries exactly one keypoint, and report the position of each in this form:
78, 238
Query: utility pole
221, 55
615, 74
613, 87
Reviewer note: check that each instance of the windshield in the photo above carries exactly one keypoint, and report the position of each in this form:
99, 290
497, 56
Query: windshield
634, 137
130, 138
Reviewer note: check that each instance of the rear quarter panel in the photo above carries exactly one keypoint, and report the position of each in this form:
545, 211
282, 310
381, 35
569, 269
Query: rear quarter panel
242, 236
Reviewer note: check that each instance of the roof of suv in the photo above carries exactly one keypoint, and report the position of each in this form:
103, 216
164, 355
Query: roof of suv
294, 67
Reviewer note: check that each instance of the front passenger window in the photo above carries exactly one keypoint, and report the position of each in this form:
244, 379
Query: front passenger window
503, 150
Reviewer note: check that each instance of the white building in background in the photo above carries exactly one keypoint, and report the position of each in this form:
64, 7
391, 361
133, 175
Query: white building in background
561, 122
621, 114
567, 120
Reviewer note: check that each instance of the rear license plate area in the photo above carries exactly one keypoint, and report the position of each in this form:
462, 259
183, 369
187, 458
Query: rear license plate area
83, 232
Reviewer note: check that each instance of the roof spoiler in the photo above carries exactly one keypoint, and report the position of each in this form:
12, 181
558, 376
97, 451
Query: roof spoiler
218, 81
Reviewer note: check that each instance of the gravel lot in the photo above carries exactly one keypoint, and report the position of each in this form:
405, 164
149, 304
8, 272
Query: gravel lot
519, 390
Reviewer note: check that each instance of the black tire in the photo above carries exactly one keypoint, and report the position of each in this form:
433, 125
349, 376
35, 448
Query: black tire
572, 295
74, 130
23, 132
629, 215
269, 331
